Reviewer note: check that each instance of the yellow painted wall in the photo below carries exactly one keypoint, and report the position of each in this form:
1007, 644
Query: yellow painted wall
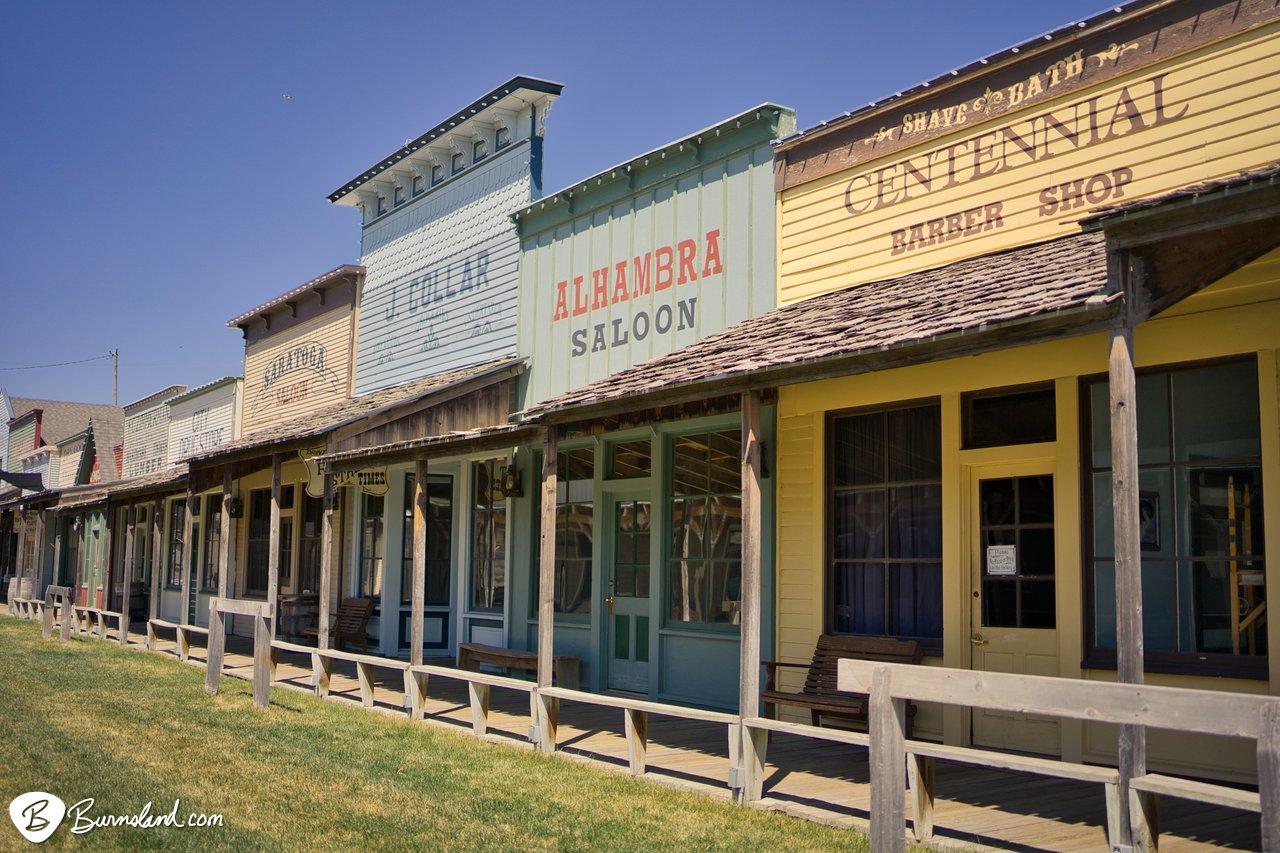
283, 378
1215, 117
1238, 315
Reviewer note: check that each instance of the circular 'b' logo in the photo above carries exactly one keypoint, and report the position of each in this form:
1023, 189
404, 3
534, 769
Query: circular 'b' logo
37, 814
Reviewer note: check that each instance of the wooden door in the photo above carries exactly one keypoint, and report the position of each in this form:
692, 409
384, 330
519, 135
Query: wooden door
626, 600
1013, 626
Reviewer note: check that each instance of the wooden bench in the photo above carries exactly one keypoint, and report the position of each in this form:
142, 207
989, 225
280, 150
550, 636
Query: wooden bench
350, 623
471, 655
820, 694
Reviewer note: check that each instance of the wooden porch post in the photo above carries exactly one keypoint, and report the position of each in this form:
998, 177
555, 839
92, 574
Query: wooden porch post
419, 594
547, 707
188, 557
750, 594
38, 565
57, 550
225, 564
1140, 828
326, 561
20, 570
157, 557
273, 547
126, 575
109, 582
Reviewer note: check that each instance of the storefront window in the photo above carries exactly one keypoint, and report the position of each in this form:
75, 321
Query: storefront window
439, 539
1200, 513
259, 549
575, 524
489, 537
309, 543
212, 544
885, 534
706, 528
372, 545
177, 512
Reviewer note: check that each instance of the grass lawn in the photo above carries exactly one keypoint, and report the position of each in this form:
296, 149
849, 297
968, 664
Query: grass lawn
89, 719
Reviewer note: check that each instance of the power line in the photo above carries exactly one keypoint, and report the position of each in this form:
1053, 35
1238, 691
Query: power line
61, 363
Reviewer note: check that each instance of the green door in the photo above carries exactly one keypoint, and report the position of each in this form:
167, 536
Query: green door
627, 573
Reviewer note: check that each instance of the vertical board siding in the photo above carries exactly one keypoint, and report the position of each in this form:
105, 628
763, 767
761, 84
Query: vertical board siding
1199, 117
202, 421
297, 371
725, 207
70, 464
440, 288
22, 441
799, 568
146, 440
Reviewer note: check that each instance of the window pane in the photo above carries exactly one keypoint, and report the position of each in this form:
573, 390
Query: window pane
1035, 500
688, 591
915, 521
1000, 603
725, 470
1159, 604
1038, 608
689, 474
859, 519
1015, 417
997, 498
858, 599
1224, 512
630, 459
916, 598
1215, 412
1035, 552
859, 450
1104, 599
1153, 420
915, 444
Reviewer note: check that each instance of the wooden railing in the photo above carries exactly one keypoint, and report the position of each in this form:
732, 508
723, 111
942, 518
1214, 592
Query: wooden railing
182, 635
61, 599
897, 764
1132, 804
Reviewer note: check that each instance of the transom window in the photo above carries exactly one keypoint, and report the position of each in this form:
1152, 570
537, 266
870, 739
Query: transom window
417, 188
885, 535
437, 174
458, 162
502, 138
479, 150
1201, 533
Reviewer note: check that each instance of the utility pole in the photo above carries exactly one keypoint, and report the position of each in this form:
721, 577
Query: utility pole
115, 376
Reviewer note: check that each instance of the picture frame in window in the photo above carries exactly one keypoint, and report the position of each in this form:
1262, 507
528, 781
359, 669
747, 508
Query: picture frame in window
416, 187
437, 174
1149, 520
501, 138
457, 162
479, 150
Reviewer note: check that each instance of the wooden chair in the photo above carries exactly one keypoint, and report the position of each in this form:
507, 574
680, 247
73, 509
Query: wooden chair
820, 695
349, 624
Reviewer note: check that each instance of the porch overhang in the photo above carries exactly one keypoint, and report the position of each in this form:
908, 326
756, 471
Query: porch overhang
465, 441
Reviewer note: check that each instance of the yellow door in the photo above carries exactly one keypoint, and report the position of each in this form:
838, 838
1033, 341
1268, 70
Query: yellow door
1013, 624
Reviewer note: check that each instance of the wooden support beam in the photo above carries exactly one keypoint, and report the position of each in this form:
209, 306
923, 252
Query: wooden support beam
921, 772
1137, 831
888, 728
326, 564
415, 688
365, 675
1269, 775
226, 543
46, 615
183, 637
273, 547
67, 614
547, 707
188, 560
321, 673
749, 605
479, 695
20, 571
418, 599
261, 661
157, 566
217, 642
637, 731
755, 746
37, 567
57, 550
126, 571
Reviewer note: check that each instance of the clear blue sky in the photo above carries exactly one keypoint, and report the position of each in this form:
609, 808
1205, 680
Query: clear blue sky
159, 183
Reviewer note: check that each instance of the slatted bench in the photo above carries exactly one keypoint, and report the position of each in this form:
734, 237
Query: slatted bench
820, 694
471, 655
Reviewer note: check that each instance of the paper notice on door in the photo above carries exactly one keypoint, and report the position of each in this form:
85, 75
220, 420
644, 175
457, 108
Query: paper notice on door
1002, 560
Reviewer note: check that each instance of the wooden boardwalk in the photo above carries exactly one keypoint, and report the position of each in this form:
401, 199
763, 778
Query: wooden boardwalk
827, 782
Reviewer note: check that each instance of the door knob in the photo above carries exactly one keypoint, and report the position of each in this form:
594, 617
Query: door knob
977, 640
608, 599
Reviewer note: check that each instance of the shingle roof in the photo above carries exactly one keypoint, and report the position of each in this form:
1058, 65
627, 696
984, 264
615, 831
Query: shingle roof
61, 419
332, 417
963, 298
450, 440
1265, 176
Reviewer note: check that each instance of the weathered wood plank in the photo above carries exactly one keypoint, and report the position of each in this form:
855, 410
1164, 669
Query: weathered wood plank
415, 688
1201, 792
546, 582
126, 571
755, 746
188, 560
418, 597
226, 537
1269, 775
241, 606
321, 673
1203, 711
636, 725
489, 678
261, 661
638, 705
157, 566
888, 725
365, 677
921, 779
217, 644
479, 697
273, 547
1011, 761
807, 731
326, 561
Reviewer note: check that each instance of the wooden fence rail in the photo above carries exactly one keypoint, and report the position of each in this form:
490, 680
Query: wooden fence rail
260, 612
60, 598
891, 686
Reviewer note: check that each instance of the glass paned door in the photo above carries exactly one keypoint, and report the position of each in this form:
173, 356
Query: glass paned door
626, 600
